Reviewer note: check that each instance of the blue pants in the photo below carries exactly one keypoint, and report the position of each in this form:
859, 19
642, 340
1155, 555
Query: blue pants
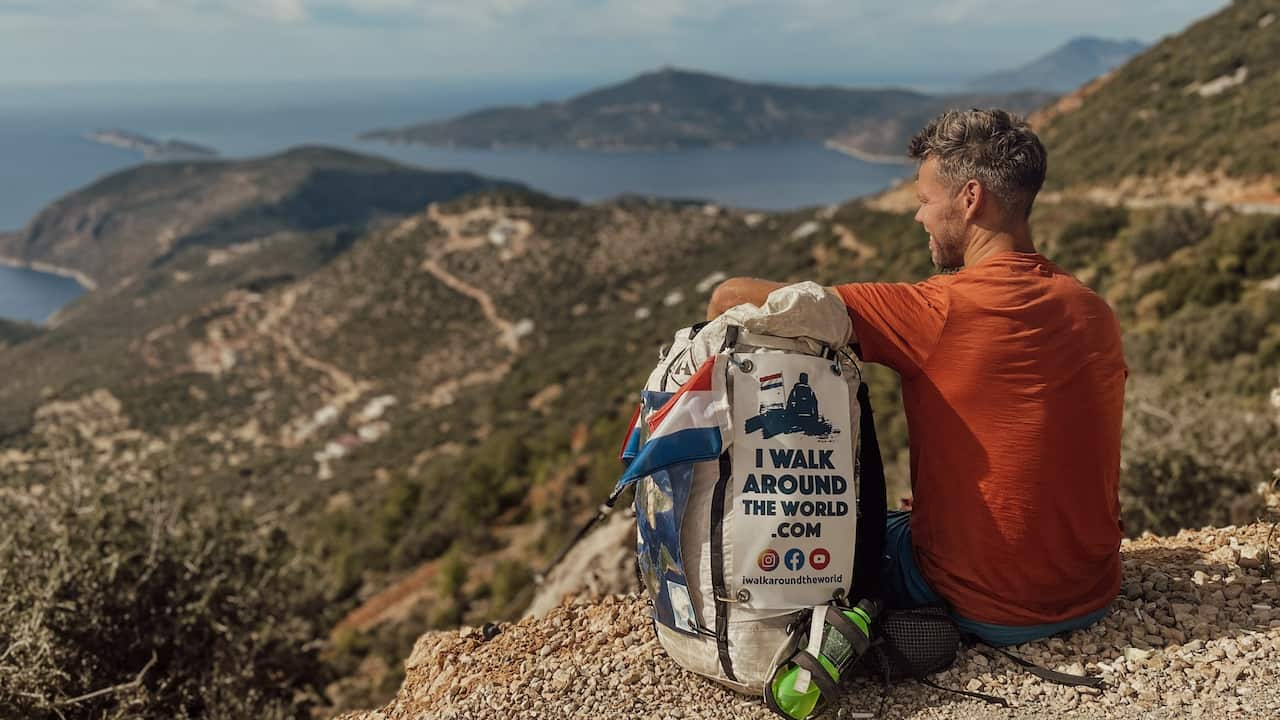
905, 587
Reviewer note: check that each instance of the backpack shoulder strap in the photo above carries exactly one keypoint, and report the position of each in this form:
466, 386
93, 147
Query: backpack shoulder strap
868, 552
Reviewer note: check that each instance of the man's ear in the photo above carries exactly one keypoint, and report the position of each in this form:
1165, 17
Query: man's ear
973, 196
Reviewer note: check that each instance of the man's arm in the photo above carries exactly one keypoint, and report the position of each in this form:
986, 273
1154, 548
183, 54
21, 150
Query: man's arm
739, 290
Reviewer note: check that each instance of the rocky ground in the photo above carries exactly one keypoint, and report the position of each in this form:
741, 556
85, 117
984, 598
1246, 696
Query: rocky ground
1195, 633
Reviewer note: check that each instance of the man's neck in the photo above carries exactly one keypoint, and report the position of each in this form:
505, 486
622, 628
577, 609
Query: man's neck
988, 243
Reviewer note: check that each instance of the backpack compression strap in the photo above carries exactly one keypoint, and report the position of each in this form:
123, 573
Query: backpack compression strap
718, 586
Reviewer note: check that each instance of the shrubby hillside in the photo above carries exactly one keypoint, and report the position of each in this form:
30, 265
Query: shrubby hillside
433, 408
129, 593
1202, 102
13, 332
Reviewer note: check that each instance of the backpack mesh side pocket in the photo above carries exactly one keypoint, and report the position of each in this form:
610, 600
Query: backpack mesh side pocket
913, 643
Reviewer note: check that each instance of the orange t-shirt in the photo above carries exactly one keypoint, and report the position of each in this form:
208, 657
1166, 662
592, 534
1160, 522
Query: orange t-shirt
1013, 385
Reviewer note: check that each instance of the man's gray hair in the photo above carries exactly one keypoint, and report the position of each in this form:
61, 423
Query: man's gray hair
997, 149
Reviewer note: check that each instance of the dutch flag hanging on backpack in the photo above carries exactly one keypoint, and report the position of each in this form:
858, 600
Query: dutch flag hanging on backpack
693, 426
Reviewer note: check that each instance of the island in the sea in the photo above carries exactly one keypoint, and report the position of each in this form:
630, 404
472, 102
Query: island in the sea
151, 148
672, 109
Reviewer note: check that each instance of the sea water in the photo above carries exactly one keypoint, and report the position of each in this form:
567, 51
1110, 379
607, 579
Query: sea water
44, 155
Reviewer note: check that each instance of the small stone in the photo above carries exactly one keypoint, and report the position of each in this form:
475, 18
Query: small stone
1225, 555
1074, 668
560, 679
1231, 673
1251, 557
1136, 655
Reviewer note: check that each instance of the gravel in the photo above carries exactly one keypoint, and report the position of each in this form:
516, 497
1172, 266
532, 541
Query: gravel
1195, 632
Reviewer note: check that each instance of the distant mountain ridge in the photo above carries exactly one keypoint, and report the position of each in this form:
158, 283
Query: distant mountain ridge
675, 108
1063, 69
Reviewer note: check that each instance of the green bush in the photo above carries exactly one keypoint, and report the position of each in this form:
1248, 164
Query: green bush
510, 588
1166, 489
1195, 338
1081, 241
1192, 458
1239, 248
1167, 231
453, 574
123, 600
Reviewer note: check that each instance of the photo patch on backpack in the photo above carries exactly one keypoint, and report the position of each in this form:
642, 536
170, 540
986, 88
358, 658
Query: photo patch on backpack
660, 508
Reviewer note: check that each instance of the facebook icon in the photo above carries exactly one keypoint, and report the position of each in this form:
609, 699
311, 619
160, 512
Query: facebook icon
794, 559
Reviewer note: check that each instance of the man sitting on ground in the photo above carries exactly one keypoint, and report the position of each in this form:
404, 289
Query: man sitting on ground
1013, 386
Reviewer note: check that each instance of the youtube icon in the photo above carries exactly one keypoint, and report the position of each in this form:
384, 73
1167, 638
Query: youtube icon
819, 558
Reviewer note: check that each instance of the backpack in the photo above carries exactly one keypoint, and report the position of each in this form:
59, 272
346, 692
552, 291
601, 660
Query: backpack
760, 490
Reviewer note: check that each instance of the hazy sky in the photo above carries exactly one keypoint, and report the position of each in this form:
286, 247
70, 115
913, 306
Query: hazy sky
851, 41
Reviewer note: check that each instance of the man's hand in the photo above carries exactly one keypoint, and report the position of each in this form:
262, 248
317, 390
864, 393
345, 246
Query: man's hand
739, 290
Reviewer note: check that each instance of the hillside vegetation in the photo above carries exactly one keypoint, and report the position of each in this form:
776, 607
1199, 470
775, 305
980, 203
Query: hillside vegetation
433, 406
1203, 101
13, 332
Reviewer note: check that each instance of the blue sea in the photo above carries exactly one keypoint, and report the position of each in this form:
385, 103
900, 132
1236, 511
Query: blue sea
43, 153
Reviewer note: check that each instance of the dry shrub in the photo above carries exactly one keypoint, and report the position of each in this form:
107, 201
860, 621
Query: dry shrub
123, 599
1193, 458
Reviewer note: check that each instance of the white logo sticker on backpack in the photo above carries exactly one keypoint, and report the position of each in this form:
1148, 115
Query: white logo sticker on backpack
794, 514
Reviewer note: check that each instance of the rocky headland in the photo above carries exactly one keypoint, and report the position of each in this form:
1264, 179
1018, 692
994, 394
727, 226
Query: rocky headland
152, 149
